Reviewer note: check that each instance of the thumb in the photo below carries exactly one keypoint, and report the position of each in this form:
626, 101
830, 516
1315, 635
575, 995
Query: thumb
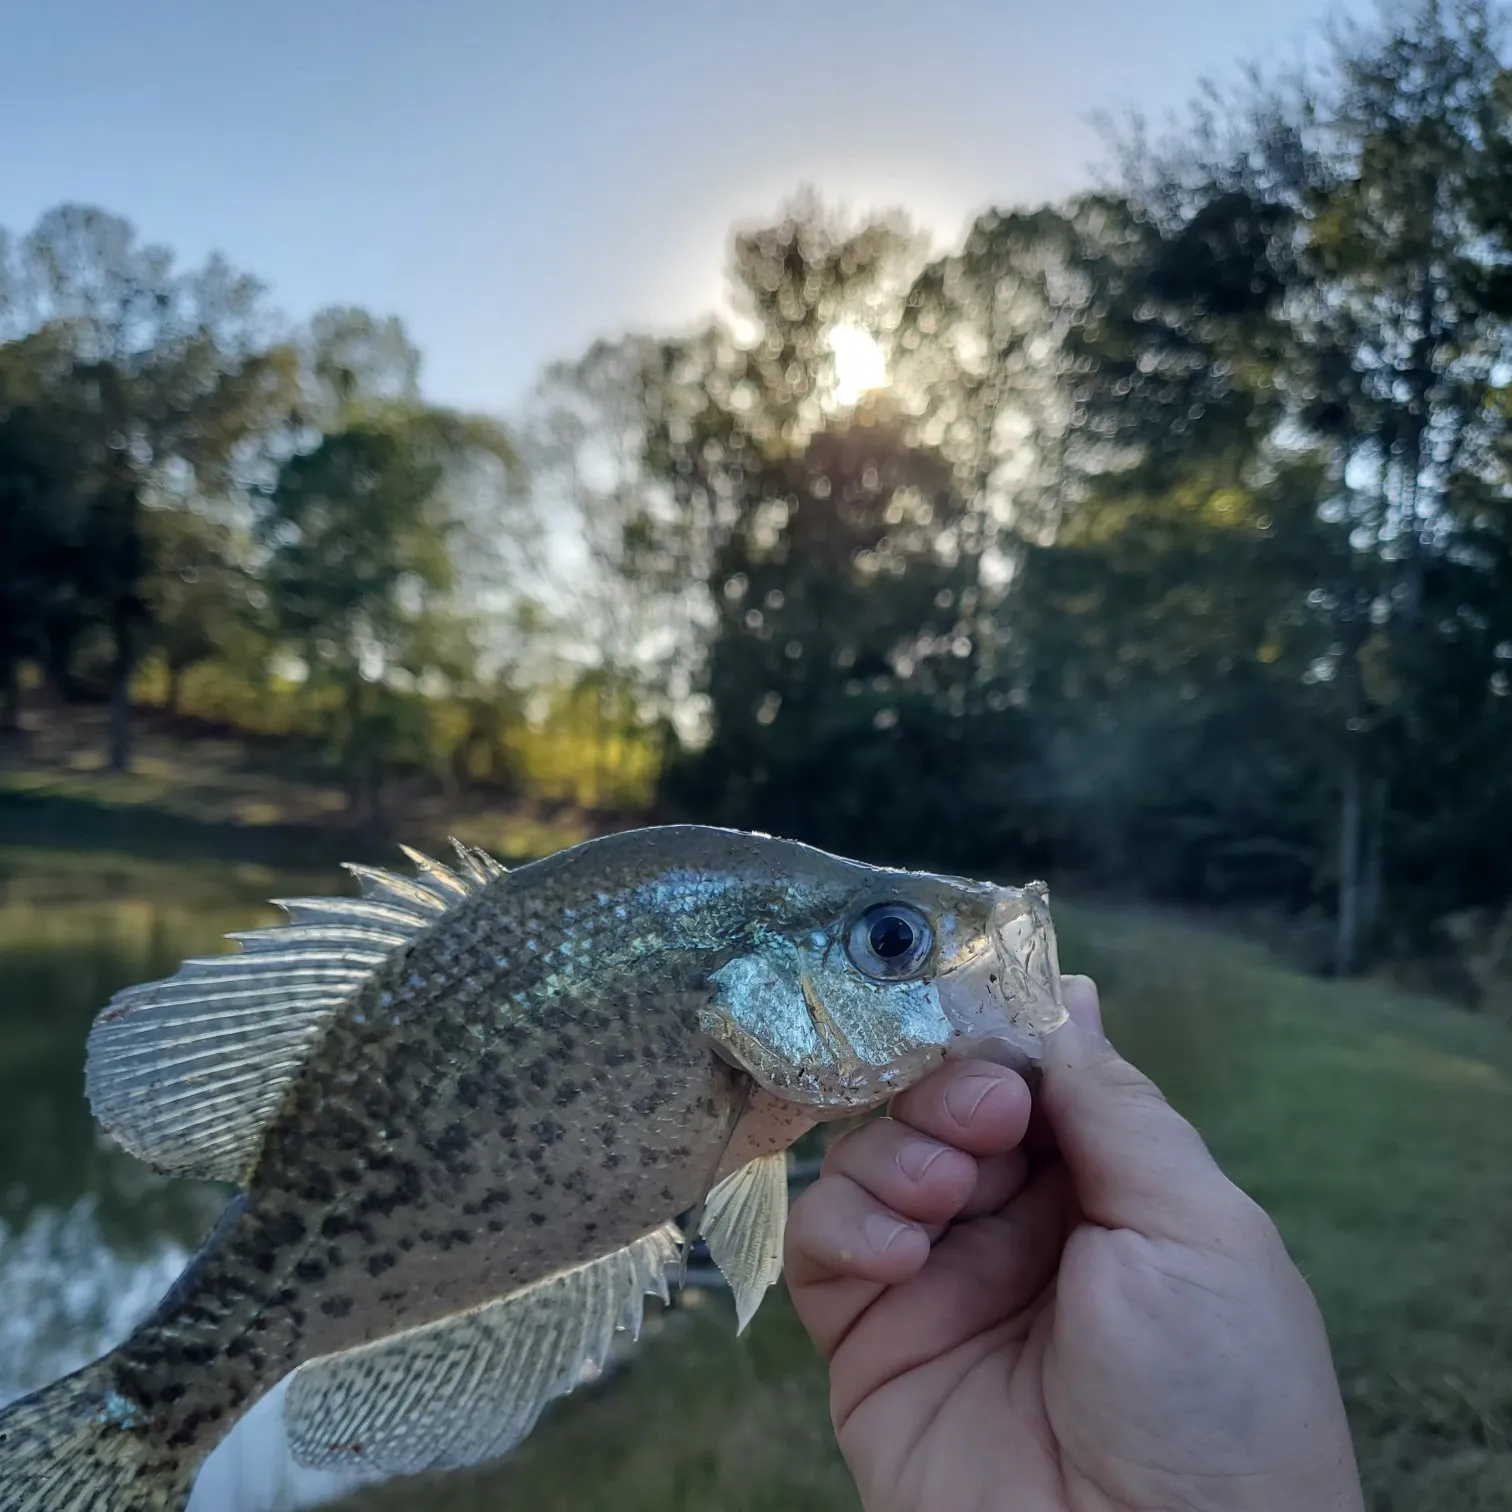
1134, 1161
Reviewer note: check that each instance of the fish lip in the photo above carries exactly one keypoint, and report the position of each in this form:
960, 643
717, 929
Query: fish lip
1004, 1000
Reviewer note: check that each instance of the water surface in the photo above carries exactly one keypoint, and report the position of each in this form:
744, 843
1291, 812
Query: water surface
90, 1238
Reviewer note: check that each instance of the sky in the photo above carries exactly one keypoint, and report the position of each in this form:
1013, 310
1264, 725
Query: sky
515, 179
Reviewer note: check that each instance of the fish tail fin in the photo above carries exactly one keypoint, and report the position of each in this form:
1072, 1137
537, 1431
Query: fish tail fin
79, 1446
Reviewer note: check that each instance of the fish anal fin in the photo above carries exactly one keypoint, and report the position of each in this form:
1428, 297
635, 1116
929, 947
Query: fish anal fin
468, 1388
187, 1072
744, 1220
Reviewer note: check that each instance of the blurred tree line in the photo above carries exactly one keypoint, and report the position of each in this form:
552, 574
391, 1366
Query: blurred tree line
1175, 552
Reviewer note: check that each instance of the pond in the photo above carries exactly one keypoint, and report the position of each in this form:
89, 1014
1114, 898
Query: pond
90, 1238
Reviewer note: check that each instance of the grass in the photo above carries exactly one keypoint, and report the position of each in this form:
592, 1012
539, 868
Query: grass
1373, 1124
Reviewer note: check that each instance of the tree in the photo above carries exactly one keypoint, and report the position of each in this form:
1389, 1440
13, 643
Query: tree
841, 673
39, 529
1394, 173
166, 387
197, 589
1410, 236
619, 606
840, 563
363, 534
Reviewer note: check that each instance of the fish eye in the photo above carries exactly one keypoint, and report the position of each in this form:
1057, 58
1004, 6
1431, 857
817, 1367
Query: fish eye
889, 941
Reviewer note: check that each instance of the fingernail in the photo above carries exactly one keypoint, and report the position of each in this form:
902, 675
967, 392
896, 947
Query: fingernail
1084, 1005
916, 1157
967, 1095
884, 1233
1067, 1046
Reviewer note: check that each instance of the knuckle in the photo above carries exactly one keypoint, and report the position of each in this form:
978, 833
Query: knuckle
1252, 1230
813, 1202
1124, 1077
838, 1156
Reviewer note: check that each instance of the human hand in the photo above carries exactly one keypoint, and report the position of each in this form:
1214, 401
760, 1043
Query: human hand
1089, 1319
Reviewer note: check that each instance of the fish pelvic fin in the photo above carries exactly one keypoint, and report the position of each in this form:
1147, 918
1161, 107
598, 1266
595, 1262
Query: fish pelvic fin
695, 1225
78, 1445
186, 1073
744, 1222
470, 1387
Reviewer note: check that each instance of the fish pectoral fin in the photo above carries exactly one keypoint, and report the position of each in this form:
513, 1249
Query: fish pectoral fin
467, 1389
187, 1072
745, 1217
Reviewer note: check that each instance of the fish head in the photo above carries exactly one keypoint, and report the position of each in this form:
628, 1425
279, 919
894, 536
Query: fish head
877, 987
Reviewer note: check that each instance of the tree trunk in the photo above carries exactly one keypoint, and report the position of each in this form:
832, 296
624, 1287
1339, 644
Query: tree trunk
58, 662
10, 697
1347, 939
1372, 868
368, 795
120, 694
600, 745
364, 764
352, 759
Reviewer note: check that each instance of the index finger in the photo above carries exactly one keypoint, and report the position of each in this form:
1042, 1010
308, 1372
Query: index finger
977, 1106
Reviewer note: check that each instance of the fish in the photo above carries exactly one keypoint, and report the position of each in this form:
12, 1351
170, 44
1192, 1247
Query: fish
474, 1116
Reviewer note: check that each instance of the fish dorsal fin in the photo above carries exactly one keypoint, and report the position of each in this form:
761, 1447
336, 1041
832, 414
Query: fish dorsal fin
187, 1072
470, 1387
478, 867
744, 1220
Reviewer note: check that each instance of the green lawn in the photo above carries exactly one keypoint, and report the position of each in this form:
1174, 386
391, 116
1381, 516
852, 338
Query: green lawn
1376, 1126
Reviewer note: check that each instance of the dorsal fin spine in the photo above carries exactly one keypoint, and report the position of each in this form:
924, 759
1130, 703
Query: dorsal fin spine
228, 1033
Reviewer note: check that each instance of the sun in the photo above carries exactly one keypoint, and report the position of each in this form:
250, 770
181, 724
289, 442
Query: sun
860, 364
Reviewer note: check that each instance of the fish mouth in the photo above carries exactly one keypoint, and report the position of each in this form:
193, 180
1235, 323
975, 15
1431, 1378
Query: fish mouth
1004, 1000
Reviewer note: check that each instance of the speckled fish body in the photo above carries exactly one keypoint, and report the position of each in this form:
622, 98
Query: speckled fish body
490, 1096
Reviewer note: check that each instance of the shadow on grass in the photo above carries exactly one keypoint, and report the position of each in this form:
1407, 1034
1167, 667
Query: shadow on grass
81, 824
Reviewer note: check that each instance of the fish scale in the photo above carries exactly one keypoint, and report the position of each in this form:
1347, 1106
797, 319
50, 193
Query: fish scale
463, 1112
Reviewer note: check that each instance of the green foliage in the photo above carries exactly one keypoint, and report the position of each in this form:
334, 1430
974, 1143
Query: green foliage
127, 385
197, 592
1212, 599
842, 676
359, 572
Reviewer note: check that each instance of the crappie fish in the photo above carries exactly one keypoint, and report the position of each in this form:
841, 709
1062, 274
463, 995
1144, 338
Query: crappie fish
464, 1111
